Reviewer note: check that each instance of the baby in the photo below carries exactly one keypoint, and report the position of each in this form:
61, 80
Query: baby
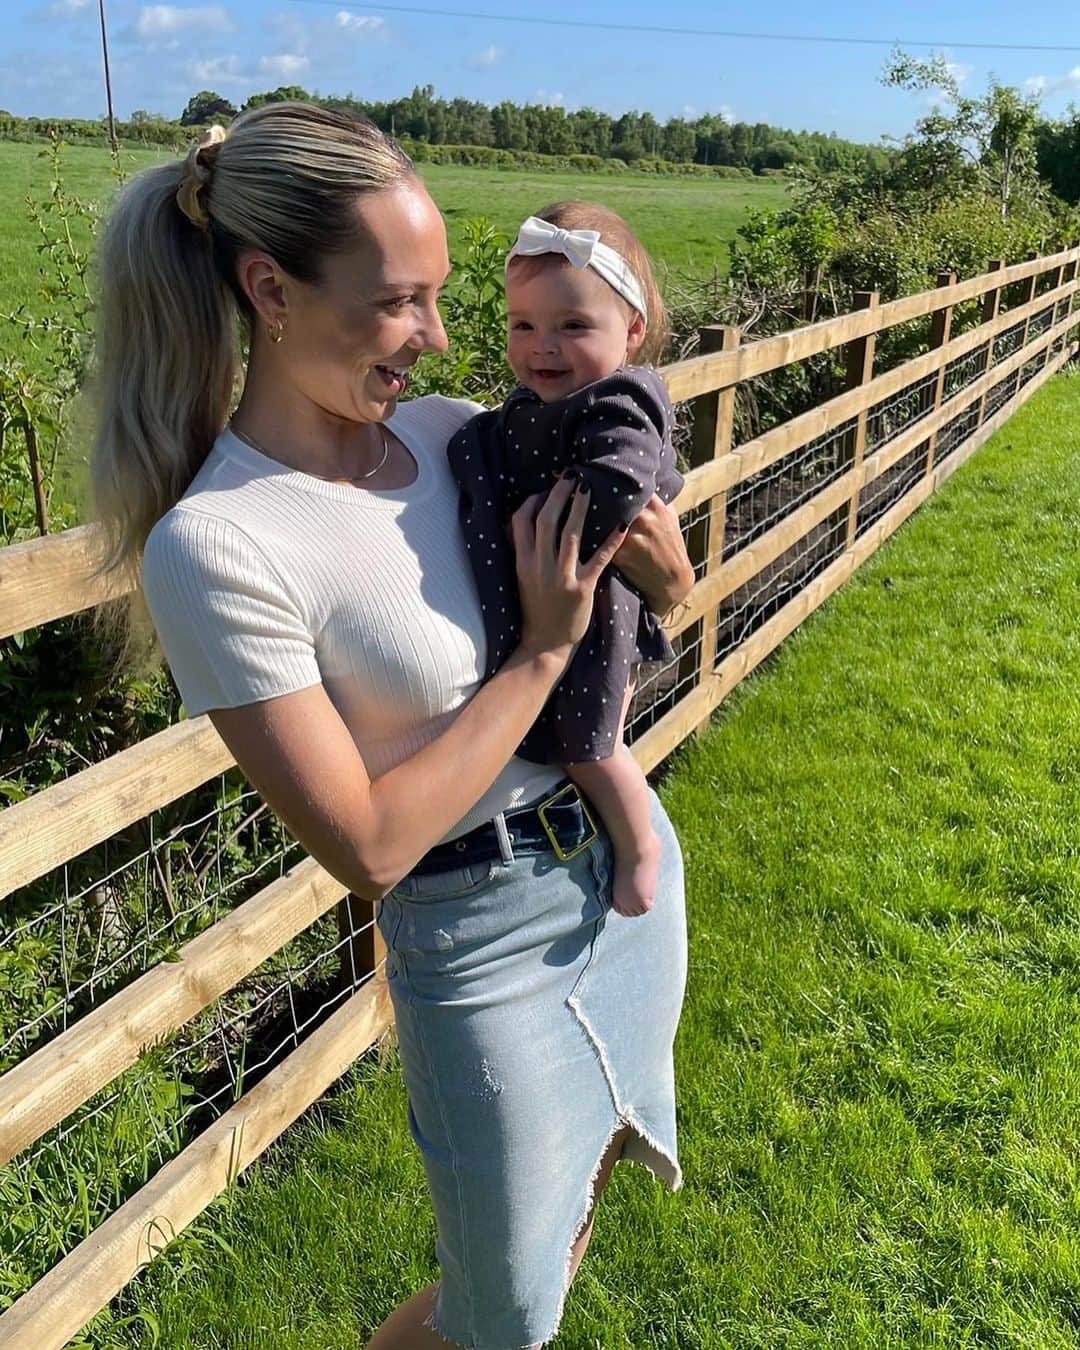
583, 313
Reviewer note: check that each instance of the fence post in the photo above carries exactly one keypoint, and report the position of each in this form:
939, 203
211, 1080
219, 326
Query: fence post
990, 309
1028, 296
1071, 301
1059, 280
1071, 270
361, 943
860, 370
714, 417
940, 332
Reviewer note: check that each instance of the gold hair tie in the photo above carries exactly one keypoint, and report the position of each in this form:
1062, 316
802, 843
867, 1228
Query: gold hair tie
196, 176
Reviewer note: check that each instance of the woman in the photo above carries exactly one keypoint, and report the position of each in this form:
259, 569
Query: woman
307, 578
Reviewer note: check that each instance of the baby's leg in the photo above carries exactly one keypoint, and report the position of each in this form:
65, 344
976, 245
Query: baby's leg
617, 788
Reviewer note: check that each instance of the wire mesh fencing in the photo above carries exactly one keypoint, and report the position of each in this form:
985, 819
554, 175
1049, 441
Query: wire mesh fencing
93, 927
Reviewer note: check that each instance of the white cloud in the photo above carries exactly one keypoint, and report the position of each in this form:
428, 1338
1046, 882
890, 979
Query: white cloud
155, 22
357, 23
484, 60
218, 70
67, 9
549, 99
284, 66
222, 70
317, 52
727, 114
689, 112
1044, 86
959, 71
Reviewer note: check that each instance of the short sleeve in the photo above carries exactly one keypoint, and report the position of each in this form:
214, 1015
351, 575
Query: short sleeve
230, 631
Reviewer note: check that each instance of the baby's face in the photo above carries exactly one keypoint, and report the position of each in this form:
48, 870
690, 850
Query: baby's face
566, 326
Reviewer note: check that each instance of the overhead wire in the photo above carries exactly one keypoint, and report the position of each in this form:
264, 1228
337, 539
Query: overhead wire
547, 21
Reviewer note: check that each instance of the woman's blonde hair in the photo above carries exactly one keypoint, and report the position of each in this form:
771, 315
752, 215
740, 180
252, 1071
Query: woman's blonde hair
284, 179
615, 232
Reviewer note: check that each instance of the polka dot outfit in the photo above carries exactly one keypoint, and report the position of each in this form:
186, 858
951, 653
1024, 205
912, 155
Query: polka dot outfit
617, 433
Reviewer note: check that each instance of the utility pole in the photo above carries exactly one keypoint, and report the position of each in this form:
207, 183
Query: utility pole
108, 83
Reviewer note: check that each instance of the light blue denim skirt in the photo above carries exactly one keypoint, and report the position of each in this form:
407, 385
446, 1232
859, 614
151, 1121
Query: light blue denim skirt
533, 1022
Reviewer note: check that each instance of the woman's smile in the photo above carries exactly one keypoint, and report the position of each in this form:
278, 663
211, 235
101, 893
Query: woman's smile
396, 378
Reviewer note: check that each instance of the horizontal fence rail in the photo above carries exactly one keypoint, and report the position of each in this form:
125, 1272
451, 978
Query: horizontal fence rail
774, 525
75, 1289
706, 374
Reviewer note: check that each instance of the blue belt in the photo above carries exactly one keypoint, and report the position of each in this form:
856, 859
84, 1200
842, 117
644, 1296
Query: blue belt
560, 824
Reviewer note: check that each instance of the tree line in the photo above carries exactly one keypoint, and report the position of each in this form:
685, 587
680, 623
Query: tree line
711, 139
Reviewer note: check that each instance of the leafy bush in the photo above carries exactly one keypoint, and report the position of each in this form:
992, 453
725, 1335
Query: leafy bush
474, 313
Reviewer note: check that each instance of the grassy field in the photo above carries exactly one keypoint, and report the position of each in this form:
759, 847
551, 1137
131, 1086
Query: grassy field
685, 223
878, 1061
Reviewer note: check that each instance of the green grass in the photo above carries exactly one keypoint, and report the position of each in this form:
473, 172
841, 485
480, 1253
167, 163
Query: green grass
685, 223
878, 1063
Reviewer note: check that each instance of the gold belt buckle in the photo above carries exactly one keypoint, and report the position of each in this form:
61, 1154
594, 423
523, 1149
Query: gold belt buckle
560, 852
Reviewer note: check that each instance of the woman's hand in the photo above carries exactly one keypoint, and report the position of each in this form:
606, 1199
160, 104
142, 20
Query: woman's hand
653, 557
555, 587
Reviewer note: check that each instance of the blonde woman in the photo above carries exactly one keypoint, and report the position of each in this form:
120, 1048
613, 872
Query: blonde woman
304, 568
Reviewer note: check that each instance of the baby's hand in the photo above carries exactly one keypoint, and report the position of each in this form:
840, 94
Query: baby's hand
634, 885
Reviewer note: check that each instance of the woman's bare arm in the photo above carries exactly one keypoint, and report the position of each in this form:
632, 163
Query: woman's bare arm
369, 832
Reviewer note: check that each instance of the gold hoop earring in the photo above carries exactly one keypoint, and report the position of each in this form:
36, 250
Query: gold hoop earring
277, 332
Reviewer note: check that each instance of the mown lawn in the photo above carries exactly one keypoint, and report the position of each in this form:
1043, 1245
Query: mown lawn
879, 1071
685, 223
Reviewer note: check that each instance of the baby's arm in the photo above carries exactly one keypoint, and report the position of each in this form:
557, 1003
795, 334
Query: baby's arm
617, 788
620, 444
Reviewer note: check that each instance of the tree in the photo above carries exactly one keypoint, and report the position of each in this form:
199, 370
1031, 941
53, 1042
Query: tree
1058, 153
649, 133
508, 126
994, 134
206, 107
591, 131
626, 138
775, 154
555, 132
679, 141
284, 93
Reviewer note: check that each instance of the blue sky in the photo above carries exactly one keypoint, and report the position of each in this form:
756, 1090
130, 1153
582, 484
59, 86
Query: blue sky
161, 53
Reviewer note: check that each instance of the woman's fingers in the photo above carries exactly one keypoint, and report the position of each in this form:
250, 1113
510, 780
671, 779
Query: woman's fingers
591, 570
526, 512
549, 515
521, 526
570, 543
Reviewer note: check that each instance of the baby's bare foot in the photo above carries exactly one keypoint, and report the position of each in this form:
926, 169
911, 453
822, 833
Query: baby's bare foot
634, 885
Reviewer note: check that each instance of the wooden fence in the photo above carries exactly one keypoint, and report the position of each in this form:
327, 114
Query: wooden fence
775, 525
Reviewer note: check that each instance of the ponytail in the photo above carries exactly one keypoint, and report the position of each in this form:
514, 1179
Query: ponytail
167, 359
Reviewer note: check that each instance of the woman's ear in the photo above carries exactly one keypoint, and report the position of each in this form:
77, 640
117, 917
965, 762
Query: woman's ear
263, 282
635, 333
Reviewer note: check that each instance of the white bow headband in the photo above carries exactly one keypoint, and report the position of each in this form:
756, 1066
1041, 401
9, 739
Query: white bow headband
582, 248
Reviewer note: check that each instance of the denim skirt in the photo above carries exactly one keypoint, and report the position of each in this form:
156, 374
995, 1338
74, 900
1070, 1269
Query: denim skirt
533, 1023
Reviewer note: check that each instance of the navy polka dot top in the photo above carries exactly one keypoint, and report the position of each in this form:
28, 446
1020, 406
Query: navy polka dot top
617, 433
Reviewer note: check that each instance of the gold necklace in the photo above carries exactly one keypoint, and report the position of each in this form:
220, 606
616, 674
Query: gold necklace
358, 478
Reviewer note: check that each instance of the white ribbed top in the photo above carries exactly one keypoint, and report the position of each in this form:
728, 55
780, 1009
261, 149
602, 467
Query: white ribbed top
263, 580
